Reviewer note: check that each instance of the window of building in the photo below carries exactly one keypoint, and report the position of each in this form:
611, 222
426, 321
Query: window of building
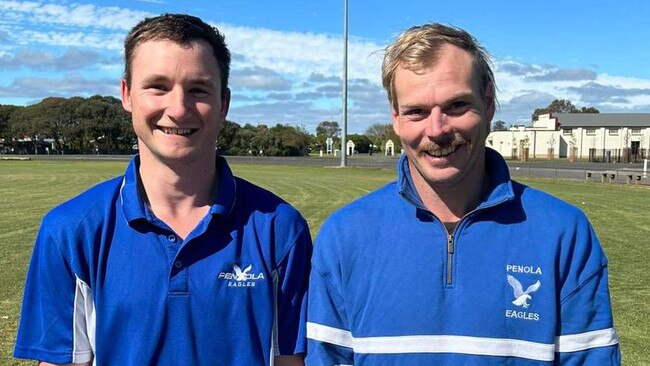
612, 131
590, 131
636, 131
567, 132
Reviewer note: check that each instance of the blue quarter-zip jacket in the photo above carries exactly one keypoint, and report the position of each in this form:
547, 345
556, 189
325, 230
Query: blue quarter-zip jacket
522, 280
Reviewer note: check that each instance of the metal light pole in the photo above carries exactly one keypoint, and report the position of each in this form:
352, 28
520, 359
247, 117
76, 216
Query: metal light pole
344, 131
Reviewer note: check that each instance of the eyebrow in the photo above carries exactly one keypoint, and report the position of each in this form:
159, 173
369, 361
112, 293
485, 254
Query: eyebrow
463, 95
202, 81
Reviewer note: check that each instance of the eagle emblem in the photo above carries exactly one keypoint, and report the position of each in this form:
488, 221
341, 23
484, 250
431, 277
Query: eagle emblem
239, 274
522, 297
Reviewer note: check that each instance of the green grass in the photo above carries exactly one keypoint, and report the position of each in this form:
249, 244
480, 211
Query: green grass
620, 215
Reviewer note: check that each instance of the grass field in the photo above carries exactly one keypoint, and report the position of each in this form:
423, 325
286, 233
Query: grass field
620, 215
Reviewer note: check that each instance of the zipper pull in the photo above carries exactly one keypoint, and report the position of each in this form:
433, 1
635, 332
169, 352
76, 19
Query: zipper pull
450, 244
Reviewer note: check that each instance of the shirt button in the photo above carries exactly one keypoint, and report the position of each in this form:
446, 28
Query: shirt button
172, 238
178, 264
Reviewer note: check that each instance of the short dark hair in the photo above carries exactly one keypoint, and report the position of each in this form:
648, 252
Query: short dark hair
181, 29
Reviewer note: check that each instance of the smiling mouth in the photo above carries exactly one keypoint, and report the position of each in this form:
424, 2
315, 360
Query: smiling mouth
177, 131
442, 152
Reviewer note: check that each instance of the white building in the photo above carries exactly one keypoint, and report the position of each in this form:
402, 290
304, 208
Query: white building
593, 136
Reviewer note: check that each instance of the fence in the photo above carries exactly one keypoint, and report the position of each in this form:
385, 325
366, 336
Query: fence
618, 155
621, 176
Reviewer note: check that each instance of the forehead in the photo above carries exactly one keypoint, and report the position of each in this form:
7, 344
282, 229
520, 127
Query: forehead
152, 51
452, 71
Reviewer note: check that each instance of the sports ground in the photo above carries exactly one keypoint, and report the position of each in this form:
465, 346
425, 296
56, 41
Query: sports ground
620, 215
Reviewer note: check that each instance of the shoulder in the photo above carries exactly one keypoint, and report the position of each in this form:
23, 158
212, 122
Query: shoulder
369, 208
563, 225
253, 198
350, 225
537, 202
87, 206
268, 215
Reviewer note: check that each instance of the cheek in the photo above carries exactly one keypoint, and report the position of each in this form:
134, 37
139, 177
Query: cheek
146, 105
412, 133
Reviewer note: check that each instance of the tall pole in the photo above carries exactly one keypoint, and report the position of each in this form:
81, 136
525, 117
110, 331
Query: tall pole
344, 131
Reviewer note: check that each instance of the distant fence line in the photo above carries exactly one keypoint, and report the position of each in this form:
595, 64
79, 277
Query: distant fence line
617, 176
618, 155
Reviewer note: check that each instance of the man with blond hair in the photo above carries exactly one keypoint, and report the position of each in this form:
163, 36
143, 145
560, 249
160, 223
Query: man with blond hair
177, 262
455, 263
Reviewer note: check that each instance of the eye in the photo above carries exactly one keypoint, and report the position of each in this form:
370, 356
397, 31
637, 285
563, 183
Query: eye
199, 92
156, 87
457, 108
414, 114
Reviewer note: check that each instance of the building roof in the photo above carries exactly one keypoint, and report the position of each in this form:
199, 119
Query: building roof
603, 119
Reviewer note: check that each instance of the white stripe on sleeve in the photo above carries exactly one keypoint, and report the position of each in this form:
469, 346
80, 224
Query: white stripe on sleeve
323, 333
83, 338
588, 340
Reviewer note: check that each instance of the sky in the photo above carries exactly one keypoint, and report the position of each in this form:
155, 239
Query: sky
288, 54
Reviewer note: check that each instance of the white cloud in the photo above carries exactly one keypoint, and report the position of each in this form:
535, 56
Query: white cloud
65, 86
74, 39
74, 15
302, 71
303, 54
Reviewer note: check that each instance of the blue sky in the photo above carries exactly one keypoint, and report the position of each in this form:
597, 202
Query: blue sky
288, 53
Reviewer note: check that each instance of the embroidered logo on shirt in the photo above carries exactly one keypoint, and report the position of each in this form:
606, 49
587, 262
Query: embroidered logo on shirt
522, 299
241, 278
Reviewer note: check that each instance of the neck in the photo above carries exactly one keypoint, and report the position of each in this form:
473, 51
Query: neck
178, 193
450, 201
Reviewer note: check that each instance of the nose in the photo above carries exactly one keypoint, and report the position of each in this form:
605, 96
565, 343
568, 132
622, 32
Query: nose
436, 124
177, 104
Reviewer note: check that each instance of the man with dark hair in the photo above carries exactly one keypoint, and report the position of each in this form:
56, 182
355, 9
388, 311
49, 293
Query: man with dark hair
455, 263
177, 262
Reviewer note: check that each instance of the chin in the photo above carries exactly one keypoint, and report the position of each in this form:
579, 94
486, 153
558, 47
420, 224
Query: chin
442, 179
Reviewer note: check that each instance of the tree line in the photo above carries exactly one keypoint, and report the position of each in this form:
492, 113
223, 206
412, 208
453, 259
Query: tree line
99, 125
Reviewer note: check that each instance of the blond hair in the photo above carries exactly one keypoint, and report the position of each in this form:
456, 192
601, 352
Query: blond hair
418, 48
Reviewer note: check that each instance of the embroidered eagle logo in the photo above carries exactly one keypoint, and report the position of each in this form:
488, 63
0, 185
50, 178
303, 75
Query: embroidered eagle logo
522, 297
239, 274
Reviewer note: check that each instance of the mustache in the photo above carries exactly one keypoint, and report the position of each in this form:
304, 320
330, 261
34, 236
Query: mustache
442, 142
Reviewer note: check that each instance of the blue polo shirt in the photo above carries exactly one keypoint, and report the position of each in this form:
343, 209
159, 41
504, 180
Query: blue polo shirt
109, 280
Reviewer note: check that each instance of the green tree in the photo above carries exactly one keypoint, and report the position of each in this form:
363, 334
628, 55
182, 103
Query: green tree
6, 113
361, 143
227, 135
499, 126
327, 129
589, 110
290, 141
379, 133
562, 106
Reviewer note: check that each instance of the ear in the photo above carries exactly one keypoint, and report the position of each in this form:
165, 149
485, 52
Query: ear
490, 107
225, 104
490, 102
394, 115
126, 96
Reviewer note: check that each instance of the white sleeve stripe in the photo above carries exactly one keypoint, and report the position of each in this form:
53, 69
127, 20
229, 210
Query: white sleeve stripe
455, 344
275, 346
462, 344
431, 344
83, 323
323, 333
588, 340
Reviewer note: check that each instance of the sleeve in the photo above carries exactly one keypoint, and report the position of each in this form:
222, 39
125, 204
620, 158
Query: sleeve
52, 325
329, 339
291, 297
586, 332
